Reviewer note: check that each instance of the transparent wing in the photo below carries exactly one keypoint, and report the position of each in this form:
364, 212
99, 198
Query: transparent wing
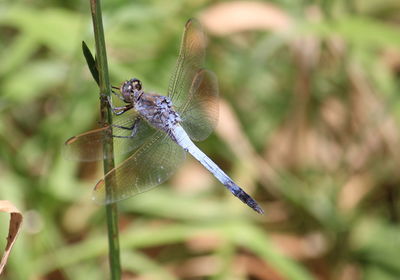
89, 145
150, 165
190, 61
200, 112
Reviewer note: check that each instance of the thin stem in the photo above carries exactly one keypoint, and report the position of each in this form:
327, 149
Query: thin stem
106, 117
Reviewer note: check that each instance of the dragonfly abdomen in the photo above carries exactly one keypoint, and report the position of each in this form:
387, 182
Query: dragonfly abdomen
180, 136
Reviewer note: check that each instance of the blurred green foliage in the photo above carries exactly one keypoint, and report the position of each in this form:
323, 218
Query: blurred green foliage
317, 106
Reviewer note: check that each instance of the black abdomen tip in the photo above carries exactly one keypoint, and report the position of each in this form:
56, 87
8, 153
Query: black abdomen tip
244, 197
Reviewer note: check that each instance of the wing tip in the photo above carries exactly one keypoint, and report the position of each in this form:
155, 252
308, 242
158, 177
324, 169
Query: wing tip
99, 184
189, 22
193, 21
70, 140
98, 193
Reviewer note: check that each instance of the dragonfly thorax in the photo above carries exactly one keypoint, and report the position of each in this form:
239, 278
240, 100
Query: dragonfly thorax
131, 90
157, 110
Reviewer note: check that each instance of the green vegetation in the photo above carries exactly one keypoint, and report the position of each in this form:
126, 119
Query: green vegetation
308, 125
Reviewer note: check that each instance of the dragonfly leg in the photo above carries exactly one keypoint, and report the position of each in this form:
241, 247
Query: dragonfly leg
134, 129
122, 127
118, 110
119, 95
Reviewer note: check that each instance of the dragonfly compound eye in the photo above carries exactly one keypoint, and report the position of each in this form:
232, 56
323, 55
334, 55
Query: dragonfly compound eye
136, 84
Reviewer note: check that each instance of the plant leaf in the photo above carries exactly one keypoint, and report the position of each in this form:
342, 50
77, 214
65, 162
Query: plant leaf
15, 223
91, 62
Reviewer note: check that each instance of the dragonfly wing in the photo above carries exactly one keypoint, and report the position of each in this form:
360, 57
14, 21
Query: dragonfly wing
153, 163
194, 90
89, 145
190, 60
200, 113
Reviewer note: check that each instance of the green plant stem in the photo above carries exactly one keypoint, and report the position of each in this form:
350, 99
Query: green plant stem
106, 117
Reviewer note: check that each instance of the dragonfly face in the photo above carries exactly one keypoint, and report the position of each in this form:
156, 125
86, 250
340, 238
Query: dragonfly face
131, 90
158, 130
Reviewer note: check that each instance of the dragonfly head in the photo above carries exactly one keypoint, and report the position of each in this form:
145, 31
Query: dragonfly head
131, 90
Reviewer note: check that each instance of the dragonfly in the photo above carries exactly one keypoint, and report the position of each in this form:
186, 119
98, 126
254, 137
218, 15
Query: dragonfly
157, 131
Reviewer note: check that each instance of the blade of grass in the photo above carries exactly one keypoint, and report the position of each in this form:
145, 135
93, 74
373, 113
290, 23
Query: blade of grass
91, 62
106, 117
